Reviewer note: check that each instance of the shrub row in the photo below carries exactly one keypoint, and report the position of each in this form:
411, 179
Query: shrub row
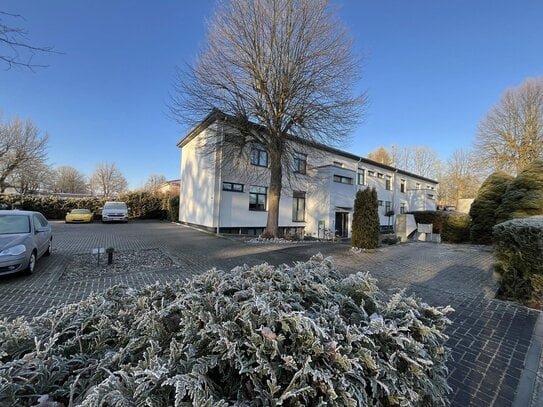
143, 205
453, 226
519, 250
260, 336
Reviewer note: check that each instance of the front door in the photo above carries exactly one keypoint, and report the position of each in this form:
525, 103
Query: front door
342, 224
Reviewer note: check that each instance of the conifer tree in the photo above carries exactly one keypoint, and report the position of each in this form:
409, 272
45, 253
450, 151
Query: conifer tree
483, 209
524, 195
366, 220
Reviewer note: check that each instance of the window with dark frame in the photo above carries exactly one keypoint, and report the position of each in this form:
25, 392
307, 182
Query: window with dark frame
371, 173
388, 206
300, 163
402, 185
257, 198
380, 203
403, 207
343, 180
298, 206
361, 177
232, 186
259, 156
388, 183
380, 175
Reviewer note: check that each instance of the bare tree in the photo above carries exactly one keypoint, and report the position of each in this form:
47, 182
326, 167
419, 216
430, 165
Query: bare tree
69, 180
511, 134
20, 143
458, 180
107, 180
154, 182
381, 155
31, 177
15, 49
286, 66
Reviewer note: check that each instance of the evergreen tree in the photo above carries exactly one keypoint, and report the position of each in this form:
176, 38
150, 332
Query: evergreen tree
483, 209
524, 195
366, 220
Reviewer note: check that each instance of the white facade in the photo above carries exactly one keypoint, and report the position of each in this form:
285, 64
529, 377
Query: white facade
318, 203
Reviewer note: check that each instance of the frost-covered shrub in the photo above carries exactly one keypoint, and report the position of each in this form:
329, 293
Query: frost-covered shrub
260, 336
519, 249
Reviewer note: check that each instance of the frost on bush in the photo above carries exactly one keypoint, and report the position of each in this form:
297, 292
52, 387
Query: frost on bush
288, 336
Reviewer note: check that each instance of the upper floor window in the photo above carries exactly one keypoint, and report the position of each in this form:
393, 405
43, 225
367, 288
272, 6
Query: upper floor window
343, 180
257, 198
371, 173
380, 175
300, 163
259, 156
361, 177
430, 196
232, 186
417, 185
338, 164
298, 206
380, 203
388, 183
403, 185
403, 207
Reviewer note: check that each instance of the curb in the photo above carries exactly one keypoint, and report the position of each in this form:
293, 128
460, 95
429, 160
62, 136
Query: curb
527, 383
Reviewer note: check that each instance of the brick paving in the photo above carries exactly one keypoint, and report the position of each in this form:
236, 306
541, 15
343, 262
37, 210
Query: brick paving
489, 338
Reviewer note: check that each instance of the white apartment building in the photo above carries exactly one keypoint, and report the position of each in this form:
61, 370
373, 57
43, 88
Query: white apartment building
229, 194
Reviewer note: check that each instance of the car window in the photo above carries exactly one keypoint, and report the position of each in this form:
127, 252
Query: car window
39, 221
81, 211
115, 205
11, 224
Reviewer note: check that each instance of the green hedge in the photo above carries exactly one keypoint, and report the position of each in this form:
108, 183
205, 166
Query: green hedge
365, 234
453, 226
301, 335
143, 205
519, 250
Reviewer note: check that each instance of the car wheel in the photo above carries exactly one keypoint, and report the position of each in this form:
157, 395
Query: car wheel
31, 263
49, 248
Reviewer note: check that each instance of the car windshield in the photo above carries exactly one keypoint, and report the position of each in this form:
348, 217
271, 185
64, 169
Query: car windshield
81, 211
11, 224
115, 205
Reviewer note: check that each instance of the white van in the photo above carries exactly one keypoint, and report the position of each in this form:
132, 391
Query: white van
115, 212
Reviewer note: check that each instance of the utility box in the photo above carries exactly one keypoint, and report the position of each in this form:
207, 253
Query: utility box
405, 226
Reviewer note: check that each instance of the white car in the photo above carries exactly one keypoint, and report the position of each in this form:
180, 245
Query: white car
115, 212
25, 236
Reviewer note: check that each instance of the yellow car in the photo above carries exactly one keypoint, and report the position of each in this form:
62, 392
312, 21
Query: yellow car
79, 216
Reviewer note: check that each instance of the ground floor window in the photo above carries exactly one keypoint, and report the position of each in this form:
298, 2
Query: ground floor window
388, 206
403, 207
298, 207
257, 198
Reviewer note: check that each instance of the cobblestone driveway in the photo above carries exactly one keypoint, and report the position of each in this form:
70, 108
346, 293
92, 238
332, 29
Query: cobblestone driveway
490, 339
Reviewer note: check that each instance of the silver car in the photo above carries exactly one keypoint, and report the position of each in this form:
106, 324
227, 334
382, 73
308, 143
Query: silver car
25, 236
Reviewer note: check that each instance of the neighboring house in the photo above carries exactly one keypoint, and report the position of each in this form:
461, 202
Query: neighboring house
171, 187
229, 194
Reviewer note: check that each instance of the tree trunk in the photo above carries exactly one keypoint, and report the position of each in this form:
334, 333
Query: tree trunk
274, 194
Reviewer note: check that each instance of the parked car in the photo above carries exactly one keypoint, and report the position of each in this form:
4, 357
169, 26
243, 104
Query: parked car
25, 236
115, 212
79, 216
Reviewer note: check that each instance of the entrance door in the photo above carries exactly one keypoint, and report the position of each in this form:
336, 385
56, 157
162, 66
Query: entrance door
342, 224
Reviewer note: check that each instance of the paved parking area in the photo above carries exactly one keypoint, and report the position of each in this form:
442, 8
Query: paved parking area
494, 343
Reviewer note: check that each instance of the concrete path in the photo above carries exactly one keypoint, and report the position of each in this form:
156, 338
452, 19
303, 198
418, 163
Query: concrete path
496, 345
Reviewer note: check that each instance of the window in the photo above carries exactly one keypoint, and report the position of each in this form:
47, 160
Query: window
380, 203
379, 175
257, 198
388, 206
361, 177
298, 206
430, 196
402, 185
338, 164
417, 185
232, 186
343, 180
371, 173
300, 163
403, 207
259, 156
388, 183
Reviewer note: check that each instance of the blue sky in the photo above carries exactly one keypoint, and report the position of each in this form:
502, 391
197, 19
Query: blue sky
432, 69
